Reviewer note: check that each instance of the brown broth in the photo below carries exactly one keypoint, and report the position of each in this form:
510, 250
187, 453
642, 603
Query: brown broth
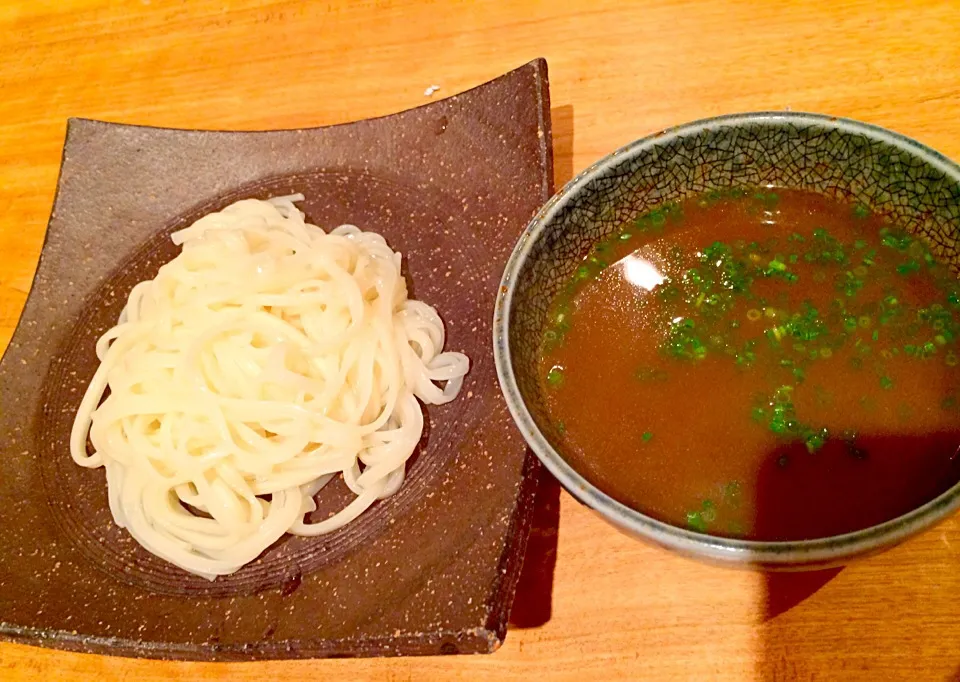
763, 420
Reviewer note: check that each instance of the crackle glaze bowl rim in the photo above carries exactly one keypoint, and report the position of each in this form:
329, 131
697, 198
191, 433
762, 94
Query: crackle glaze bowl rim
776, 555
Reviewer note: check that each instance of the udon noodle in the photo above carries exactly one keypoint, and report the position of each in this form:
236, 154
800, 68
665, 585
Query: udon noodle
263, 361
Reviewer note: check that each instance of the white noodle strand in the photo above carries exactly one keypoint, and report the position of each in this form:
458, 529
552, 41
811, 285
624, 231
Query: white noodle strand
264, 360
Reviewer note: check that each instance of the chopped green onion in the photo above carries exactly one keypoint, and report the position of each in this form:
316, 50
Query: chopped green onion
709, 513
895, 239
696, 522
908, 268
555, 376
816, 439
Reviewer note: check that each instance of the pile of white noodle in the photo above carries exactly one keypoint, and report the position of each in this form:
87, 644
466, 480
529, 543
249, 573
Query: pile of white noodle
262, 361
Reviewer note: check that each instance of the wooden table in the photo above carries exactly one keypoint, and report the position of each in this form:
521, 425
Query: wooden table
618, 71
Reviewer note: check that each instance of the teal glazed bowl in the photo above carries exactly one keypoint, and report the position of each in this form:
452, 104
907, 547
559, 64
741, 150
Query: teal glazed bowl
915, 185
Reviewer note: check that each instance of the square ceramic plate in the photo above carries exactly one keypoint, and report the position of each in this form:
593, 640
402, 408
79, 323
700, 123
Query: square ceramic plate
431, 569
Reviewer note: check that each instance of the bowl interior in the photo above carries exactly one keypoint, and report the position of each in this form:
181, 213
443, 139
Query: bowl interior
889, 173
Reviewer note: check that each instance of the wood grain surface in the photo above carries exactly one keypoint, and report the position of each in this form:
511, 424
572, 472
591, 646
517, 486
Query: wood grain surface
610, 607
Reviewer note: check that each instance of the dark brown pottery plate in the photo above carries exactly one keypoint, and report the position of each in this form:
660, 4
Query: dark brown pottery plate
431, 569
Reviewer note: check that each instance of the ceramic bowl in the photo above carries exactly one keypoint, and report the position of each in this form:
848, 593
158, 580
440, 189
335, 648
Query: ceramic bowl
918, 187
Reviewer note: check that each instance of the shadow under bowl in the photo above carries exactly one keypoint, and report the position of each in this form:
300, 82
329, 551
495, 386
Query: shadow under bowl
892, 174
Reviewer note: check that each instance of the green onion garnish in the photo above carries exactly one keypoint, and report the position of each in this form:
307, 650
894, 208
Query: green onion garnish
555, 376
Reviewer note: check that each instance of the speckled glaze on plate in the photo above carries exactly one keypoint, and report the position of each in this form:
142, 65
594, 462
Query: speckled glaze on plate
431, 569
890, 173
